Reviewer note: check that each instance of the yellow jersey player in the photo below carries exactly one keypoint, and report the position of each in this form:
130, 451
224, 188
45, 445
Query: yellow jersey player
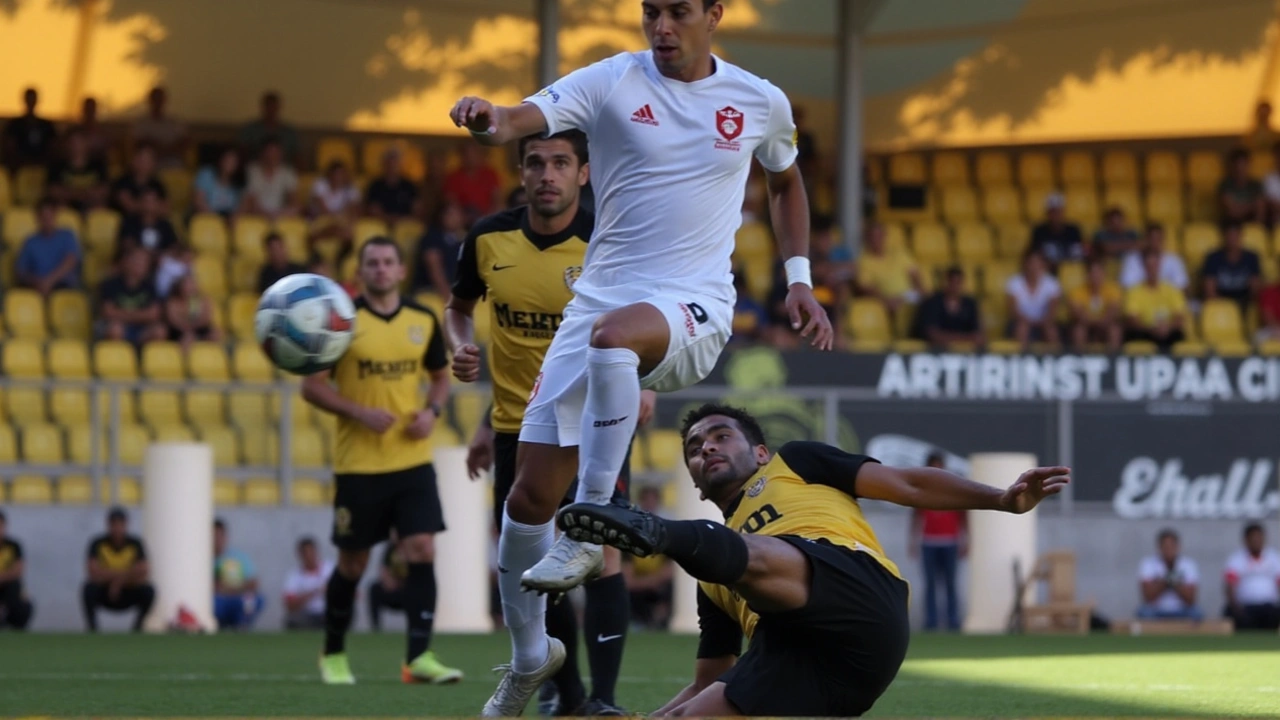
796, 567
525, 260
382, 458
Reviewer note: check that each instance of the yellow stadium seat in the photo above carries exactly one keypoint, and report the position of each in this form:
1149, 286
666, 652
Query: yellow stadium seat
995, 275
1220, 322
1164, 205
1139, 347
102, 226
1254, 236
308, 447
1001, 204
242, 307
1071, 275
1189, 349
407, 232
130, 491
950, 168
974, 243
208, 361
1119, 167
163, 361
226, 492
868, 320
909, 347
115, 360
895, 241
959, 204
261, 492
1078, 168
261, 446
1004, 346
69, 314
25, 405
30, 490
243, 276
42, 444
160, 407
247, 234
994, 168
8, 445
1270, 348
302, 411
665, 449
18, 224
1230, 349
1081, 205
225, 444
907, 169
336, 149
309, 492
29, 184
172, 432
1164, 167
208, 234
1198, 240
94, 269
1035, 169
134, 439
294, 233
69, 406
211, 276
367, 228
178, 184
1205, 169
73, 490
1012, 240
24, 314
1034, 198
1124, 197
248, 363
247, 409
930, 244
23, 358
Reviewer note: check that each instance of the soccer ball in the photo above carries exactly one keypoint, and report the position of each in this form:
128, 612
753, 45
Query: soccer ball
305, 323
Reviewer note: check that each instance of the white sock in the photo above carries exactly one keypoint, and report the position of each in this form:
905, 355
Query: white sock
520, 547
609, 418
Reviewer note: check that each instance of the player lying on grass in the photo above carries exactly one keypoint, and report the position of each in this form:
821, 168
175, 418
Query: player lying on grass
797, 568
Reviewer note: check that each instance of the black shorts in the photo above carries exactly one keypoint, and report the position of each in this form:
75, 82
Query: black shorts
836, 655
504, 475
367, 506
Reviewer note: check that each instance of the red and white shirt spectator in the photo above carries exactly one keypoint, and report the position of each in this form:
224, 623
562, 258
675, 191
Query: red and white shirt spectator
1255, 579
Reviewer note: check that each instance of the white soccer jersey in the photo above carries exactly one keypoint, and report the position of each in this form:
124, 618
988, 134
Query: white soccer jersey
669, 165
1256, 579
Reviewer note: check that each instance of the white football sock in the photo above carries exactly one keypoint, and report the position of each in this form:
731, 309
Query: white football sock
520, 547
609, 420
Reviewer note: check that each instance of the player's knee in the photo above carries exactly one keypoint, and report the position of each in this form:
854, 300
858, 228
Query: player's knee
352, 564
419, 548
606, 333
531, 503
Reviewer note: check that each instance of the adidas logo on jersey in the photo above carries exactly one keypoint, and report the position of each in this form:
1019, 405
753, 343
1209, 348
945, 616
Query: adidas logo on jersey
644, 115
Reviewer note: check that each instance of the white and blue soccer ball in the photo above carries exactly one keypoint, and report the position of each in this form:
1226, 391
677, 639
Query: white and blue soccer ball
305, 323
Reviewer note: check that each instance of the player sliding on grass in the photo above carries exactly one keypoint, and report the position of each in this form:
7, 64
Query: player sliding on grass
797, 568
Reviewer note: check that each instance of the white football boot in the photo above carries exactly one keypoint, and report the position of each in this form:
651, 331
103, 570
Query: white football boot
567, 565
515, 690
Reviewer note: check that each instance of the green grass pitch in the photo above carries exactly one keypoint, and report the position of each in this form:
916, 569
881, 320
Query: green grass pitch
945, 676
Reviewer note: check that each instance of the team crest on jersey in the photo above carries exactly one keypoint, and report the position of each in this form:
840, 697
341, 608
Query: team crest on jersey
416, 335
571, 275
757, 487
729, 123
342, 521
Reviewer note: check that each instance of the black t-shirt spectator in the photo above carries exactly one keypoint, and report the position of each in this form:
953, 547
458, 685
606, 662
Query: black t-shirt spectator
1232, 278
934, 314
114, 290
393, 199
93, 174
32, 139
117, 558
268, 275
130, 185
156, 237
1060, 245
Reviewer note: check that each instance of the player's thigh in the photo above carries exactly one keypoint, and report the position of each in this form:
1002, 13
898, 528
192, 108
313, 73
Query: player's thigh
505, 446
415, 501
699, 329
363, 510
778, 676
553, 415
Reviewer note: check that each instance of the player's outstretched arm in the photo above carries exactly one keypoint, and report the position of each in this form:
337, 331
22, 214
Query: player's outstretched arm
935, 489
491, 124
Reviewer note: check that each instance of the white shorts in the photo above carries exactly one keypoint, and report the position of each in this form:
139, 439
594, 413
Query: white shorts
700, 328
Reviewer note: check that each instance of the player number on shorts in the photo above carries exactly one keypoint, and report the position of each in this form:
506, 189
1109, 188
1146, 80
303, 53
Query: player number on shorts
699, 315
758, 519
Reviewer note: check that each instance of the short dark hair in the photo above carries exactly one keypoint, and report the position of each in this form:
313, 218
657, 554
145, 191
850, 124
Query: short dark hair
576, 138
305, 541
955, 271
746, 422
1238, 154
219, 524
46, 202
1253, 527
708, 4
1166, 533
1229, 225
384, 241
271, 237
117, 513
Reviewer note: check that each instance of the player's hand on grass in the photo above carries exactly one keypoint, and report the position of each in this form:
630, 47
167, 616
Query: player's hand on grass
376, 419
466, 363
480, 452
475, 114
648, 401
1033, 486
421, 426
809, 317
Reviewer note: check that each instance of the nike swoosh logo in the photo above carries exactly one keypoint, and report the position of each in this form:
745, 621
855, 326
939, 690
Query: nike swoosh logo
606, 638
497, 267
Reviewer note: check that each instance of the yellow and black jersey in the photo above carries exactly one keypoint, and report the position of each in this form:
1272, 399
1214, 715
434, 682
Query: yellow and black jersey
393, 560
528, 279
383, 369
123, 557
10, 553
807, 490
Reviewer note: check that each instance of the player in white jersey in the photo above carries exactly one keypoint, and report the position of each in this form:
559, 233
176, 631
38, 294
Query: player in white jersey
672, 134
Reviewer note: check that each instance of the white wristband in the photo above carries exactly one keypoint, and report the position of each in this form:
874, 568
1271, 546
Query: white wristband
798, 271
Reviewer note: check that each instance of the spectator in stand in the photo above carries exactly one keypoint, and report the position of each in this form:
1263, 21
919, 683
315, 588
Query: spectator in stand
29, 139
236, 600
1232, 272
127, 190
50, 257
166, 135
278, 264
433, 185
79, 181
96, 136
188, 313
1032, 297
334, 207
392, 196
15, 607
1096, 309
950, 316
1253, 583
1168, 582
272, 187
1133, 270
1240, 197
1115, 238
1261, 137
304, 589
438, 250
219, 189
387, 592
1155, 310
891, 277
119, 575
269, 126
149, 229
750, 320
1269, 314
650, 580
475, 185
1056, 239
832, 259
130, 309
940, 538
1271, 185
